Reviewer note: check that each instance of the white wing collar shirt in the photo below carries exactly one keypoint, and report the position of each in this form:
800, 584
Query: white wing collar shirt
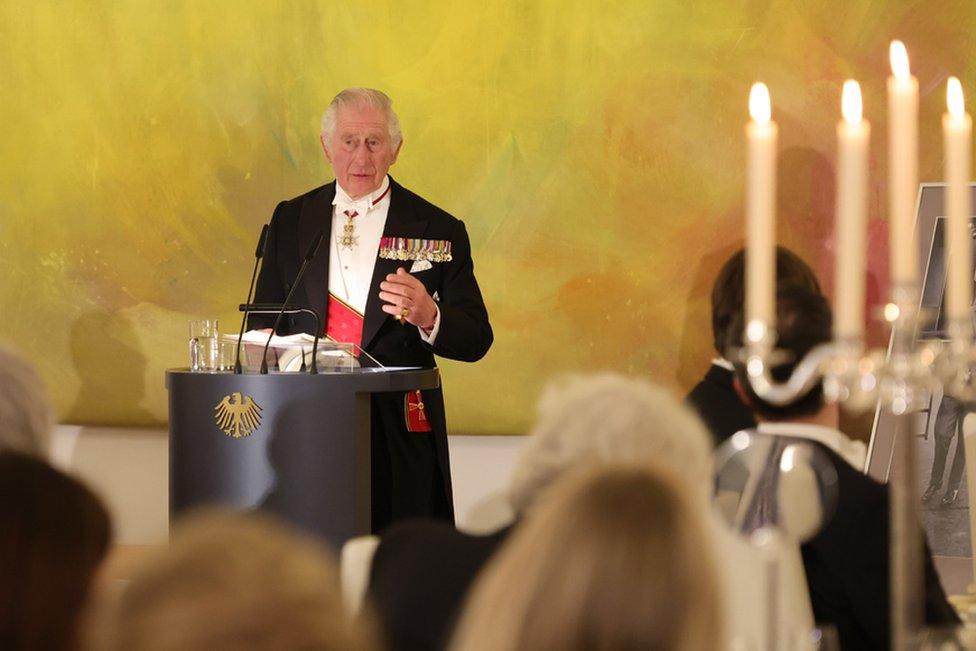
351, 267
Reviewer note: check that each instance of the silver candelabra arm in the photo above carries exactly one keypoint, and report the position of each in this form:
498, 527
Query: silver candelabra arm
901, 378
760, 360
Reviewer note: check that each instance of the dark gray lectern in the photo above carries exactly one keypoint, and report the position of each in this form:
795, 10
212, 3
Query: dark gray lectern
295, 444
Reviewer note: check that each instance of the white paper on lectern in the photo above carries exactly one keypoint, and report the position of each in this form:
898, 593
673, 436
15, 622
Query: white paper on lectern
259, 337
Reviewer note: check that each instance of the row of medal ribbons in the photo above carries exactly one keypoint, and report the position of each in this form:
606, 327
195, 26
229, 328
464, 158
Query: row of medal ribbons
408, 248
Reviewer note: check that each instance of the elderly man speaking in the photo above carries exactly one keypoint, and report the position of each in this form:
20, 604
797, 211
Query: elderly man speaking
398, 281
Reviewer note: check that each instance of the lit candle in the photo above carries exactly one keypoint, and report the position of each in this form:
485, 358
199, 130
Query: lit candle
902, 169
957, 130
850, 229
761, 135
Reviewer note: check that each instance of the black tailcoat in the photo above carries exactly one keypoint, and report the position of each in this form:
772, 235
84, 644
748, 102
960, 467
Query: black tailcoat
715, 400
411, 473
419, 579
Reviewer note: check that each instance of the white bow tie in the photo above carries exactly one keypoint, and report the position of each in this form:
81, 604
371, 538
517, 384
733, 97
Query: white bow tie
360, 206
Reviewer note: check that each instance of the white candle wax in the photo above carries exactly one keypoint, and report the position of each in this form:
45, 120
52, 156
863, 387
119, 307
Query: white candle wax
761, 136
902, 169
957, 129
850, 228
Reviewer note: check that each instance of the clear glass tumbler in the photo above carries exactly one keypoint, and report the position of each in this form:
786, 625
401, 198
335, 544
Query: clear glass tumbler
226, 354
203, 345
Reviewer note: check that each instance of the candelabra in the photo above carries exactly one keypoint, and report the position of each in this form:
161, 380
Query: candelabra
899, 382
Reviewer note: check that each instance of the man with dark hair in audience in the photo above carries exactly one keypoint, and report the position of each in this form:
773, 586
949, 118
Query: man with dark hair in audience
713, 397
846, 564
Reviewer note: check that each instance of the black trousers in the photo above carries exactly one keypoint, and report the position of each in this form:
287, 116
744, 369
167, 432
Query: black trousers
948, 426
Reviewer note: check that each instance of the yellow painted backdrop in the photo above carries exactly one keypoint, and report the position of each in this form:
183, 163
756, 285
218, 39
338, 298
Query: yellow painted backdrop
593, 149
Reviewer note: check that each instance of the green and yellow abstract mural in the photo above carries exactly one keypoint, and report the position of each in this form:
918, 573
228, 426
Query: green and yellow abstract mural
594, 150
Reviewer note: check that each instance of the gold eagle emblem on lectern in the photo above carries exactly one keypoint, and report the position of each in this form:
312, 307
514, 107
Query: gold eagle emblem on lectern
237, 415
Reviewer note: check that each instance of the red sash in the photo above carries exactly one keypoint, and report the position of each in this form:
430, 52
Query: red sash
343, 323
415, 413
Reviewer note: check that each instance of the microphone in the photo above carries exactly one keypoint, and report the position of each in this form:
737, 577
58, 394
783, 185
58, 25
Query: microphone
312, 250
258, 255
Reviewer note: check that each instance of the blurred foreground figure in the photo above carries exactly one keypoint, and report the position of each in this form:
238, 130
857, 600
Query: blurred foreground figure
421, 570
231, 581
54, 534
25, 414
612, 559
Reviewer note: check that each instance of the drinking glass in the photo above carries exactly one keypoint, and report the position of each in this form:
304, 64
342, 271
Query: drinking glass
226, 355
203, 345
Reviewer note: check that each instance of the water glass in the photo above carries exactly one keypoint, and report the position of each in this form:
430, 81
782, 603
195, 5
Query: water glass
203, 345
226, 355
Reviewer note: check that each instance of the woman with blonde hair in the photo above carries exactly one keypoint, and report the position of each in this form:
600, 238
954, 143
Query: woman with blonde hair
610, 559
230, 581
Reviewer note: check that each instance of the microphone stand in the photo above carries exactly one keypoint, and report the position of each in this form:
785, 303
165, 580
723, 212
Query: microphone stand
312, 250
274, 308
258, 254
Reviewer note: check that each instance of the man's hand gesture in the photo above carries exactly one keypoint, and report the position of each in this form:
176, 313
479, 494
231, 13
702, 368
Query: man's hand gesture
407, 300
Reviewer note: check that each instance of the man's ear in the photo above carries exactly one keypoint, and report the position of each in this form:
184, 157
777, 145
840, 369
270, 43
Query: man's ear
325, 148
742, 393
396, 152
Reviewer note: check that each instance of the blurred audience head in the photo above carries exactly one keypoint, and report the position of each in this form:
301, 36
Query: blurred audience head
599, 419
803, 322
728, 292
25, 413
54, 534
614, 558
231, 581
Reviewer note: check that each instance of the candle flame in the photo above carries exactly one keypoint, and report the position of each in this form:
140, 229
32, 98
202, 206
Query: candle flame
898, 56
850, 102
954, 99
760, 109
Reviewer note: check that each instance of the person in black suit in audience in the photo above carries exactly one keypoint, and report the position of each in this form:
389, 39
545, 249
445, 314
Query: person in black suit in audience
421, 570
846, 563
713, 397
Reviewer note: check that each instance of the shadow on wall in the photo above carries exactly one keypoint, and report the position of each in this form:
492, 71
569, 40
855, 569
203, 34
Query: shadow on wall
696, 331
805, 198
112, 385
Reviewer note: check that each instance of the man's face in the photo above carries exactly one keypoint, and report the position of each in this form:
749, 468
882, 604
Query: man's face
360, 149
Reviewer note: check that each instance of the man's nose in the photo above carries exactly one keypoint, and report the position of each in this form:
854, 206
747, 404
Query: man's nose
361, 154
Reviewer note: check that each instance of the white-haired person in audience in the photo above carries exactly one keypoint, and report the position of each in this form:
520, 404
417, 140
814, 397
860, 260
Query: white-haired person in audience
228, 581
616, 558
421, 571
25, 413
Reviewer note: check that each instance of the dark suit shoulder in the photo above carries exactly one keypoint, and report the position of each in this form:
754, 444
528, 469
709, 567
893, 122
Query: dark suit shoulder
420, 575
292, 207
422, 541
423, 207
719, 406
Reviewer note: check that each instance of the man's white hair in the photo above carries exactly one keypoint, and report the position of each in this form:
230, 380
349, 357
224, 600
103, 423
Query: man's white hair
362, 97
586, 421
25, 414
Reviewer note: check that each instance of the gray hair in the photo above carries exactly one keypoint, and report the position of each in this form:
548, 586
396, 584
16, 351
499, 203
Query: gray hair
362, 97
585, 421
25, 414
